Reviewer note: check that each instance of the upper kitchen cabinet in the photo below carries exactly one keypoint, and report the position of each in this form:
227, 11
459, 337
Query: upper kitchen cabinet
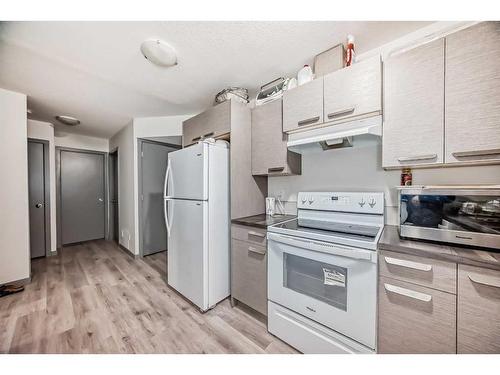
414, 106
472, 108
212, 123
303, 106
353, 91
270, 155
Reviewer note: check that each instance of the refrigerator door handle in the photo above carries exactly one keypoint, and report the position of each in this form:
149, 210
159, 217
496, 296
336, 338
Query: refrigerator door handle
165, 185
165, 212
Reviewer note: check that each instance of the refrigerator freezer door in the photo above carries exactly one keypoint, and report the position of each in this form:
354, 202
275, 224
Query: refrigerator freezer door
188, 249
187, 176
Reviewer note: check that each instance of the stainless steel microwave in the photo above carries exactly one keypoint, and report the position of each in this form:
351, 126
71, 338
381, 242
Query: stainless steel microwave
465, 215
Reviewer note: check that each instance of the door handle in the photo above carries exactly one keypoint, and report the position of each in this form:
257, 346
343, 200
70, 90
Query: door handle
165, 213
38, 205
165, 184
341, 112
308, 121
196, 139
256, 251
408, 264
276, 169
208, 134
464, 154
417, 157
484, 280
256, 234
408, 293
100, 199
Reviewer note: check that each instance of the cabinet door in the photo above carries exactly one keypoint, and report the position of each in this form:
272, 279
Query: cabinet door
249, 274
269, 150
414, 106
303, 106
213, 122
478, 310
353, 91
414, 319
473, 94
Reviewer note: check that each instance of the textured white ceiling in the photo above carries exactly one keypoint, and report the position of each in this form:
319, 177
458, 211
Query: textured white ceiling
95, 71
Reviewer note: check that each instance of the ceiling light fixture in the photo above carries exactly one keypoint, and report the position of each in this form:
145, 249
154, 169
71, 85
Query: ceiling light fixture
159, 53
67, 120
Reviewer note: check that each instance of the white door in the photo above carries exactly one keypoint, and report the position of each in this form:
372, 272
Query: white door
188, 249
334, 285
187, 176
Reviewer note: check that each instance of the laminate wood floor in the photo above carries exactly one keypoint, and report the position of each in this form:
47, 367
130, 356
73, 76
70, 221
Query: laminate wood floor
94, 298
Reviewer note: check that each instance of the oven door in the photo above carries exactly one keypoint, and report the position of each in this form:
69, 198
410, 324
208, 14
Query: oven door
332, 285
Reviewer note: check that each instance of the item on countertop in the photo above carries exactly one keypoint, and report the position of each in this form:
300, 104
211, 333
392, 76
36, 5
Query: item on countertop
406, 177
329, 61
237, 93
270, 206
304, 75
271, 91
350, 54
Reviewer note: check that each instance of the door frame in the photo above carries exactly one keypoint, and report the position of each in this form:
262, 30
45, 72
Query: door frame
58, 188
140, 142
46, 188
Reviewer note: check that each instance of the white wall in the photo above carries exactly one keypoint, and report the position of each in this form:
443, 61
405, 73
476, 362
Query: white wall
126, 142
360, 169
14, 206
63, 139
45, 131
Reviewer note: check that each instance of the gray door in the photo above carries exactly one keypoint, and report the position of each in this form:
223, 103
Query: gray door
82, 196
153, 167
36, 182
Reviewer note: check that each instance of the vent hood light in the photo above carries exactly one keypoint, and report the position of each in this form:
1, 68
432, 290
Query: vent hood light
67, 120
159, 53
338, 135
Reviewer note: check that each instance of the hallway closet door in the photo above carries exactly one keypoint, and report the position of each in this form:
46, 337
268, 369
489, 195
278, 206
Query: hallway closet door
82, 196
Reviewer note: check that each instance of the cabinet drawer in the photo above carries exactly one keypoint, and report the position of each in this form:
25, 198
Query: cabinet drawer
249, 234
303, 106
353, 91
478, 310
249, 274
427, 272
414, 319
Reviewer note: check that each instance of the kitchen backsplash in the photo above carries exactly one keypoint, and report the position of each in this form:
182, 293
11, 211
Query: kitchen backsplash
359, 169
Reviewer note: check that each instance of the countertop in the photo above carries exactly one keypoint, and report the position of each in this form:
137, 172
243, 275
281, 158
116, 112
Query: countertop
262, 220
391, 241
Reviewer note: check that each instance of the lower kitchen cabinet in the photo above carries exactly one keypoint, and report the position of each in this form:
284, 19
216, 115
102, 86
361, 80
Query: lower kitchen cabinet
415, 319
478, 317
249, 273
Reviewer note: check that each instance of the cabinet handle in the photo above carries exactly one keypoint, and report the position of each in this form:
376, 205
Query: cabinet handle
256, 234
256, 251
408, 293
463, 154
276, 169
208, 134
342, 112
308, 121
484, 280
418, 157
408, 264
196, 139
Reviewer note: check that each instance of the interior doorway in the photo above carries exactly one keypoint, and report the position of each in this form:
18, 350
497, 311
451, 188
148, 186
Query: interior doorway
114, 226
81, 195
39, 197
153, 156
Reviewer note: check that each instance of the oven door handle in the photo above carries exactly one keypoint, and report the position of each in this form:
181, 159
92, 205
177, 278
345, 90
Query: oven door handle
323, 247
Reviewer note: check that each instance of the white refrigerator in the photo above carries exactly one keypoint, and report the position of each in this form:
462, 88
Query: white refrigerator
196, 207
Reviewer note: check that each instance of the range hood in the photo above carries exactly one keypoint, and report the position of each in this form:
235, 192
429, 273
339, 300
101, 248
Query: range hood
336, 135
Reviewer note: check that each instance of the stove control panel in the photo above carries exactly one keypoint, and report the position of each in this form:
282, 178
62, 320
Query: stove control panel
361, 202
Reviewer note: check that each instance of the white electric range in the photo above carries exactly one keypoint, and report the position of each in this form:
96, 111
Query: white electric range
322, 273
